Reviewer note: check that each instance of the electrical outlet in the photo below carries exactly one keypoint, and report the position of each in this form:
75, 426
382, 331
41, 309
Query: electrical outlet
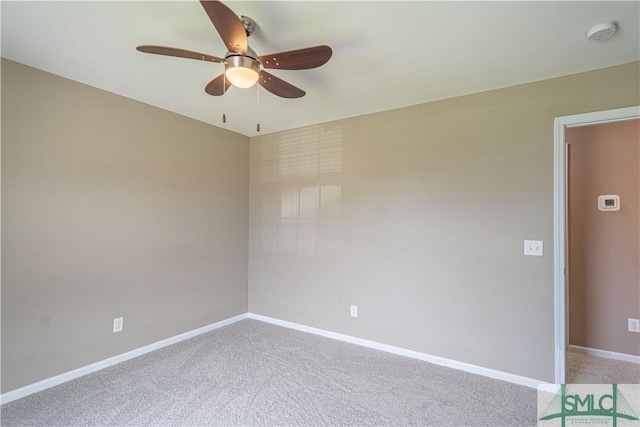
354, 311
118, 324
634, 325
533, 247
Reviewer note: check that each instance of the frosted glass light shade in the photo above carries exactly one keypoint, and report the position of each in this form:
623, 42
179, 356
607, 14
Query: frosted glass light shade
242, 71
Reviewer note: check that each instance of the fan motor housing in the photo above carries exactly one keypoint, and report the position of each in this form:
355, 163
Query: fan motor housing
242, 70
233, 61
250, 60
250, 54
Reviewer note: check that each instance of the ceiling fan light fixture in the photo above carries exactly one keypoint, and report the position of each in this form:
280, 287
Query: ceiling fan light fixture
242, 71
243, 68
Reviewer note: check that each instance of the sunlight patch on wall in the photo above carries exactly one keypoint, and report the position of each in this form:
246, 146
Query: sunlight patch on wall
301, 219
301, 154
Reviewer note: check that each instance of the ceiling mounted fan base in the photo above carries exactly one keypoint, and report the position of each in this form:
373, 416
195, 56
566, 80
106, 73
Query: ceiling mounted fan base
248, 24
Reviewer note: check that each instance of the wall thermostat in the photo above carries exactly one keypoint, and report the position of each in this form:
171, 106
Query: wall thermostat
610, 202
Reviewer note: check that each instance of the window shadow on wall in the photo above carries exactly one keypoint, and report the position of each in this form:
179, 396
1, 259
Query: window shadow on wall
300, 173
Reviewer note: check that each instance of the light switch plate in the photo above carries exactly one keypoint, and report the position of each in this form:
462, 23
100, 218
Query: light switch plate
533, 247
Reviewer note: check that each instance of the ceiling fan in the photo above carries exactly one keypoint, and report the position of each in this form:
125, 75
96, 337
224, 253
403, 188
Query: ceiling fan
243, 67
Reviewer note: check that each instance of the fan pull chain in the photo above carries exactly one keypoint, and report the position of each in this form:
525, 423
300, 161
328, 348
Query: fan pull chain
224, 86
258, 110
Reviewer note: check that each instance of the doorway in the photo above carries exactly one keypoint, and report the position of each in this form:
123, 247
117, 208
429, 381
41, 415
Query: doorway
561, 220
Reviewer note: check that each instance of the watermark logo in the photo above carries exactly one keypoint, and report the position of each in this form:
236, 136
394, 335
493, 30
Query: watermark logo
614, 405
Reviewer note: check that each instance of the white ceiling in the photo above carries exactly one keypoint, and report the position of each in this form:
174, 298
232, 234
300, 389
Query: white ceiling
386, 55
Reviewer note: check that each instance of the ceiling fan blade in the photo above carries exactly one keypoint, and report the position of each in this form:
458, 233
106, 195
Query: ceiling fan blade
279, 87
181, 53
300, 59
228, 25
218, 86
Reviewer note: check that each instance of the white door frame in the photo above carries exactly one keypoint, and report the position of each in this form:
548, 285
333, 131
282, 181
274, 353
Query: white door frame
560, 218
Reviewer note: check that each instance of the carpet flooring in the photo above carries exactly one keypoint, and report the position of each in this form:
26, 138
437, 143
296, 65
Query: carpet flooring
254, 373
585, 369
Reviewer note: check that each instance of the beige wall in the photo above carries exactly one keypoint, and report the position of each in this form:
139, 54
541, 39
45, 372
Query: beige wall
111, 208
114, 208
604, 247
418, 216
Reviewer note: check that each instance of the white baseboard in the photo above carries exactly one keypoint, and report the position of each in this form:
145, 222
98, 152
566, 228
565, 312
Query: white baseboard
71, 375
76, 373
605, 353
449, 363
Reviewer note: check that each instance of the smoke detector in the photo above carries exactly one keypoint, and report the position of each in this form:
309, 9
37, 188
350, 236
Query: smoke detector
601, 31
